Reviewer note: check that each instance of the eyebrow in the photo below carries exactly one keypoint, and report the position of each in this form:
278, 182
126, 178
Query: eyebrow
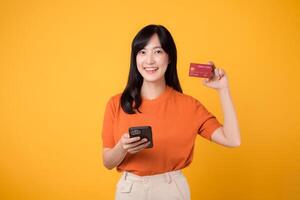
156, 47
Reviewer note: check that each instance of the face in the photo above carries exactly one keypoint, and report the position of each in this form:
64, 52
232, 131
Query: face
152, 61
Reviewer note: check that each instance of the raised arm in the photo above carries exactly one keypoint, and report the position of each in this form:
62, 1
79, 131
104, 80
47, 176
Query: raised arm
229, 134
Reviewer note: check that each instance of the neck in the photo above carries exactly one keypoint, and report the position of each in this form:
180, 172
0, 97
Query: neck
152, 90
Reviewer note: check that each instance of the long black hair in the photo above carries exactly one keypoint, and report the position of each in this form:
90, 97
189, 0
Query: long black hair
131, 96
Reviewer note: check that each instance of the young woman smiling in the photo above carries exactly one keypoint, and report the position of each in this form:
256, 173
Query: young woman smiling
153, 97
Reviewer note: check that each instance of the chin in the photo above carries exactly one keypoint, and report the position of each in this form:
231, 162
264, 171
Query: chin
152, 80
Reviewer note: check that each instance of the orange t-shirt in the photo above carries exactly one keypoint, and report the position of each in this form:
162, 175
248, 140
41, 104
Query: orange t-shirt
175, 119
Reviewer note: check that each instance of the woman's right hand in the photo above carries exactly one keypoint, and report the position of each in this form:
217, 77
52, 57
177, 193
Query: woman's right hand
132, 145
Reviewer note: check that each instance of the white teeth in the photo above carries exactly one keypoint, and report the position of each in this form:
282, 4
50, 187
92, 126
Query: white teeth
151, 68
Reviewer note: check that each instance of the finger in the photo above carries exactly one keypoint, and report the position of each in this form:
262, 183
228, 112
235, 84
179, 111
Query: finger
219, 73
135, 144
126, 135
132, 140
126, 143
205, 80
216, 74
216, 70
222, 72
139, 148
211, 62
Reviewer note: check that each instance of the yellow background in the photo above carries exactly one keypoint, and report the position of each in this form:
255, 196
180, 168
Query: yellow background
60, 61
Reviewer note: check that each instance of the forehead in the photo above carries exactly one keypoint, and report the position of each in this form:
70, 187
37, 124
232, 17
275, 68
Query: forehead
153, 42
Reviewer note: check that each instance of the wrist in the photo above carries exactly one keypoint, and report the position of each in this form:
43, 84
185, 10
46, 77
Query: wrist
224, 90
119, 146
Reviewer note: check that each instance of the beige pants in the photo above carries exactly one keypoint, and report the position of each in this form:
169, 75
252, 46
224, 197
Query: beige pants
167, 186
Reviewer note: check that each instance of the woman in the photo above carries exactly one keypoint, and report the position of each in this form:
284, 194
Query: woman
153, 97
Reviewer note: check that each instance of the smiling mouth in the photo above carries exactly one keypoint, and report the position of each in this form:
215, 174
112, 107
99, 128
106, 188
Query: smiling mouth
150, 69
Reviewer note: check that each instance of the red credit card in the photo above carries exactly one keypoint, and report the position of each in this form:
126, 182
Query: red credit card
201, 70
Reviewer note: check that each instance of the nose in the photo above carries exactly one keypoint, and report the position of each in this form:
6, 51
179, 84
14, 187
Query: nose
149, 59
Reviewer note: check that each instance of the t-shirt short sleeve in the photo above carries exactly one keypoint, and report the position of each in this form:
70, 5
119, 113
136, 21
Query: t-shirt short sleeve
108, 124
207, 123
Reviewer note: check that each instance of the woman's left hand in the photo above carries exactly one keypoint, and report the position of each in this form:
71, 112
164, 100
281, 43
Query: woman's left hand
219, 81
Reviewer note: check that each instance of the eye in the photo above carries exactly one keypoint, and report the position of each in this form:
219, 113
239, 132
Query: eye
142, 52
159, 51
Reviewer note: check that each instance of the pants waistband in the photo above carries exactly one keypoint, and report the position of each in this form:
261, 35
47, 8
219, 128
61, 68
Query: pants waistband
163, 177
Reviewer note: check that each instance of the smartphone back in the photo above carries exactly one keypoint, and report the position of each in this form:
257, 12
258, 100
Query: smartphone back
143, 132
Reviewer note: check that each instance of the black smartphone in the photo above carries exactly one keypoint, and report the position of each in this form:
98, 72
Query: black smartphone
143, 132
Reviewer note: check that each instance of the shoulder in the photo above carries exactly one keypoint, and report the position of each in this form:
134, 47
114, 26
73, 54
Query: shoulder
114, 101
116, 97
